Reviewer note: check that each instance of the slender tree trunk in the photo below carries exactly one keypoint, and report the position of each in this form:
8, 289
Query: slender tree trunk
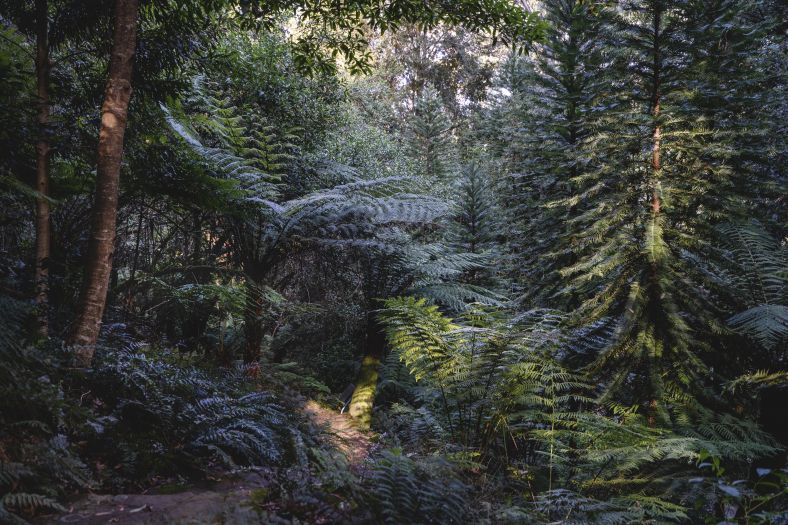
198, 317
43, 233
656, 96
136, 257
656, 166
656, 199
114, 112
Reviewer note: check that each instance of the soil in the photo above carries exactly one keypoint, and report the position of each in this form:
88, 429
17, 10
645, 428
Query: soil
222, 502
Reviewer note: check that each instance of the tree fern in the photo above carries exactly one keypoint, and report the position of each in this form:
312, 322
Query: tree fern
759, 263
265, 228
490, 378
490, 381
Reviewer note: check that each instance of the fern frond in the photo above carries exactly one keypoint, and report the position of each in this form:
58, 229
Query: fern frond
30, 503
757, 380
765, 323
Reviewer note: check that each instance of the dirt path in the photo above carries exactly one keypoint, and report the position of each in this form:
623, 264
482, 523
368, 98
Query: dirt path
341, 432
225, 502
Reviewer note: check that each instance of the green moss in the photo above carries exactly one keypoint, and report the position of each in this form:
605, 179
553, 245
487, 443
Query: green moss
364, 395
259, 497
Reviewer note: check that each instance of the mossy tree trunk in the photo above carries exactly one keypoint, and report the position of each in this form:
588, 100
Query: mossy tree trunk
363, 399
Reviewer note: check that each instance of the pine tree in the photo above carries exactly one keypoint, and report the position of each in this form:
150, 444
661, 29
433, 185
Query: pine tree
474, 226
430, 133
635, 186
541, 128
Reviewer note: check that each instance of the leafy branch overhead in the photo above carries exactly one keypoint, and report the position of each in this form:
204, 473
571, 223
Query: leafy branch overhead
329, 30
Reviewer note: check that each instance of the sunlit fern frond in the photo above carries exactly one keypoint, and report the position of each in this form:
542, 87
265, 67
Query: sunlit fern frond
757, 380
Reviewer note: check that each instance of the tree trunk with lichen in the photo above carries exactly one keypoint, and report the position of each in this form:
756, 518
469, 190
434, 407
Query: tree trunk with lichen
101, 243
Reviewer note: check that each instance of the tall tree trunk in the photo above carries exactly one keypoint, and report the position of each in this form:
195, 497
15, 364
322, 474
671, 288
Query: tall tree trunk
114, 112
656, 166
656, 95
43, 233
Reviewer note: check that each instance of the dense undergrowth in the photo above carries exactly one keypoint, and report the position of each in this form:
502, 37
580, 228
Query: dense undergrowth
474, 425
137, 419
535, 257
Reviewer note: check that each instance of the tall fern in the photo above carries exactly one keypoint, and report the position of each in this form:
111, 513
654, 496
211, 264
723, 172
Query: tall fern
491, 384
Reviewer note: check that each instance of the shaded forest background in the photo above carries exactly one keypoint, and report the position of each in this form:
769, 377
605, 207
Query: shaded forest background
537, 252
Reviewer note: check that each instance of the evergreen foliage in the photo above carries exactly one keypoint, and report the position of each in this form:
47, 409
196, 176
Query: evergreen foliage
475, 225
399, 262
541, 131
430, 131
475, 219
630, 180
759, 277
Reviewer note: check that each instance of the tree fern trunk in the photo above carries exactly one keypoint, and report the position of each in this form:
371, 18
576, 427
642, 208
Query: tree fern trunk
253, 322
114, 112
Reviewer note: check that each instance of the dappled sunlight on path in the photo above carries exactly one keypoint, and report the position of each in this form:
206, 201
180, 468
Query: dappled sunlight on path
222, 502
343, 433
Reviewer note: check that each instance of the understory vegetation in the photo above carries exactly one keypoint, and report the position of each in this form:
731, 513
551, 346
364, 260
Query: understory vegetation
408, 262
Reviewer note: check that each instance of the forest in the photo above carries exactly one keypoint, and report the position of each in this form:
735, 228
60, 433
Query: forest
393, 262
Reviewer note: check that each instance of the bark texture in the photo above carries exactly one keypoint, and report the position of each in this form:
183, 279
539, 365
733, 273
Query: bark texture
43, 231
114, 113
656, 166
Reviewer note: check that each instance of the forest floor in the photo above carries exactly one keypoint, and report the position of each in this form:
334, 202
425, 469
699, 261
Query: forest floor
225, 501
342, 433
